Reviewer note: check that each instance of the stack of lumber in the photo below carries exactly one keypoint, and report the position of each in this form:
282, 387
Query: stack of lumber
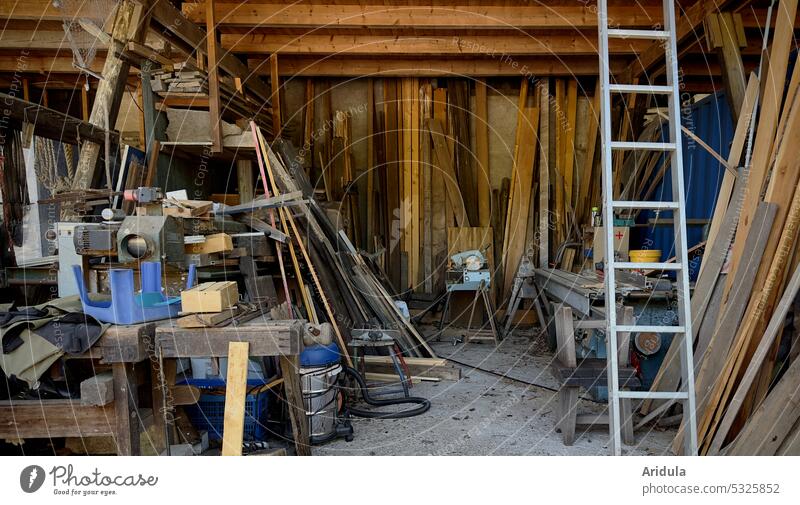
179, 81
746, 368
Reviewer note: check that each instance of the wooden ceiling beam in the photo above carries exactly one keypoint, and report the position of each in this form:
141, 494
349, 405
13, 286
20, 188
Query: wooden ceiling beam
297, 66
38, 10
497, 46
283, 15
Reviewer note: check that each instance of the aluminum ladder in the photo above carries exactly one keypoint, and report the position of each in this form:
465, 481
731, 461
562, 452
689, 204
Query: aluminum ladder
673, 149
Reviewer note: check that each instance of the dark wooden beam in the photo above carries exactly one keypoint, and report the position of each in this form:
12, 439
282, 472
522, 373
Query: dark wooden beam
52, 124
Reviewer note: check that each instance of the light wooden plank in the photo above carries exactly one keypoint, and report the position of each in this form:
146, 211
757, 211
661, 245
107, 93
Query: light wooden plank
767, 125
482, 153
235, 395
445, 164
516, 226
773, 330
543, 88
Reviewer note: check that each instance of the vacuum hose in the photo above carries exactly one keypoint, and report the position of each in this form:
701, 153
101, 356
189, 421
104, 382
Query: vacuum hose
424, 404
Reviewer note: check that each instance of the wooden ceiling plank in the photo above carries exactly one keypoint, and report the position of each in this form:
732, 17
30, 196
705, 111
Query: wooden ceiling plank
497, 46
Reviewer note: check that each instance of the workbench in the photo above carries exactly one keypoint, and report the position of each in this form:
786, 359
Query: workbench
122, 347
282, 338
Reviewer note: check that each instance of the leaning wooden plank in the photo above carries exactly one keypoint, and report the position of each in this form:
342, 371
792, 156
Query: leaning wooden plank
569, 148
773, 420
734, 158
714, 353
791, 444
543, 88
482, 153
444, 163
581, 207
767, 124
235, 395
770, 334
785, 175
516, 225
753, 324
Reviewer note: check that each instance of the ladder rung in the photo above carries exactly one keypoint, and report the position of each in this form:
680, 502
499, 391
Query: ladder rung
653, 395
626, 265
630, 204
638, 34
649, 329
640, 88
642, 146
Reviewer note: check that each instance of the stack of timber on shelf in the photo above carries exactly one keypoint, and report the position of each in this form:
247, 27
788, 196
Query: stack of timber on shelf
181, 84
746, 359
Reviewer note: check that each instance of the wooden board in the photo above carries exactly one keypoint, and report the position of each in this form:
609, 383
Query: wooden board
444, 163
482, 153
235, 395
543, 88
765, 344
266, 338
767, 124
516, 225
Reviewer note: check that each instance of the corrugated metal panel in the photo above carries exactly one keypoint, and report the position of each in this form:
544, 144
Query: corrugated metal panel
710, 120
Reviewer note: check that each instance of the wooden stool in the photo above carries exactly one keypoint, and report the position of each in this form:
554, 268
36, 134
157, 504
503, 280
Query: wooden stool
590, 372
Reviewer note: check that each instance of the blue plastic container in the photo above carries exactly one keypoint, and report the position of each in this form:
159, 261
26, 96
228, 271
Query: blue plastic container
320, 355
126, 306
209, 414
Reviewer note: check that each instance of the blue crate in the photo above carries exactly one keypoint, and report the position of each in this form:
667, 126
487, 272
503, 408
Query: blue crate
209, 414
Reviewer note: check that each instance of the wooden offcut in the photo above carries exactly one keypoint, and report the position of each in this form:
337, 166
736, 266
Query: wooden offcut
210, 297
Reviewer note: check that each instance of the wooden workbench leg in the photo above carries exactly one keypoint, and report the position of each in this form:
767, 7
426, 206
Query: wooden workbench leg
568, 413
162, 397
290, 367
126, 407
627, 422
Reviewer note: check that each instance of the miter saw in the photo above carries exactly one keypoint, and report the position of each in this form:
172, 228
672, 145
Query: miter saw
469, 271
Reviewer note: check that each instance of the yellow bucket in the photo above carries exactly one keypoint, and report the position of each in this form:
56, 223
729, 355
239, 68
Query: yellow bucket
645, 255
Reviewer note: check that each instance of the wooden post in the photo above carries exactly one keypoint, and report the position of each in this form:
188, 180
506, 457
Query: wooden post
214, 109
244, 177
290, 368
126, 409
275, 99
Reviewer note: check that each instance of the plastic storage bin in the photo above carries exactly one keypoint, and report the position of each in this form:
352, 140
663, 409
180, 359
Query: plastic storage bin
209, 414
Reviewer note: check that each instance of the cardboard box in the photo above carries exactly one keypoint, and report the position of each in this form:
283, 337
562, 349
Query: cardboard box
621, 243
209, 297
219, 242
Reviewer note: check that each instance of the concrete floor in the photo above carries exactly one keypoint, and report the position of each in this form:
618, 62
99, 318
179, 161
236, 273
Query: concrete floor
484, 414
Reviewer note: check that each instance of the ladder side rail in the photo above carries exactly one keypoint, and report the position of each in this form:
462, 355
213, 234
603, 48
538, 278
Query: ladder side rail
614, 423
679, 223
